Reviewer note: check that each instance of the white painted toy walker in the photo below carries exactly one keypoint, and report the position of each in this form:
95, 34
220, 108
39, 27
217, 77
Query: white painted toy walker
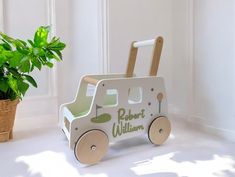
122, 106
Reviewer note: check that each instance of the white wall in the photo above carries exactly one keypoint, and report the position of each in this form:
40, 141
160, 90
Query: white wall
138, 20
20, 20
82, 55
77, 23
82, 36
214, 65
181, 60
197, 59
64, 29
80, 26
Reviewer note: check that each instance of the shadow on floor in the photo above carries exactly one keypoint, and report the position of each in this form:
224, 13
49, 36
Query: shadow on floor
189, 153
28, 147
45, 153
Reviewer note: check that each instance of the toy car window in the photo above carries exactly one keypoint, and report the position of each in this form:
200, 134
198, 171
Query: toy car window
90, 90
111, 98
135, 95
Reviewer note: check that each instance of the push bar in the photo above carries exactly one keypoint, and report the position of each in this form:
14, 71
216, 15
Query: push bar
144, 43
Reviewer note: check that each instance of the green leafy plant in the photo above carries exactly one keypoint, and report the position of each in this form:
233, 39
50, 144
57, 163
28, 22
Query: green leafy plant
18, 58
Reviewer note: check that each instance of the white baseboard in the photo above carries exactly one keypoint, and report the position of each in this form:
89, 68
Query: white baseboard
178, 113
200, 123
37, 106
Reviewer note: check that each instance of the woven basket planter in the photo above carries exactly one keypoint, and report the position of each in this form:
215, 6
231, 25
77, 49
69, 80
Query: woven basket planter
7, 118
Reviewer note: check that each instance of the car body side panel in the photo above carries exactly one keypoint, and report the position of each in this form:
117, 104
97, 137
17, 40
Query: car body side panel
123, 120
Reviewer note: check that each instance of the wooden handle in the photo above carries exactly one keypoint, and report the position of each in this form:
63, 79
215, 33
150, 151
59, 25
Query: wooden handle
144, 43
158, 43
156, 56
131, 60
91, 80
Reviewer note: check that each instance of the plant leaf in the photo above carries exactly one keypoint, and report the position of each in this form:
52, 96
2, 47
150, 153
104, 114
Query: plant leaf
31, 42
18, 43
22, 86
38, 51
7, 38
49, 64
15, 72
36, 63
59, 46
55, 41
24, 51
59, 54
24, 59
19, 57
12, 82
2, 59
40, 37
15, 59
30, 80
3, 85
23, 42
6, 45
25, 67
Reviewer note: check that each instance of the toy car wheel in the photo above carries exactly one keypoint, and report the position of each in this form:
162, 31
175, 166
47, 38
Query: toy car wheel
159, 130
91, 147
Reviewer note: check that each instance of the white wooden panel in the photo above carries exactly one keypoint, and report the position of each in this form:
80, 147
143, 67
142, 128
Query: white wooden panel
21, 19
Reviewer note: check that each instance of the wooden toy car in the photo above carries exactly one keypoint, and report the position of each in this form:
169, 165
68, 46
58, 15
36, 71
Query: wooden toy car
122, 106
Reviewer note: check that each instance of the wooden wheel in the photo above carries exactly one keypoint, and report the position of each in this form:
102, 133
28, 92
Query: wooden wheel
91, 147
159, 130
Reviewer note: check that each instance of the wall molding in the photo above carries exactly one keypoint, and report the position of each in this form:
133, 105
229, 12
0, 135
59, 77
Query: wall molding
103, 27
1, 16
51, 20
191, 77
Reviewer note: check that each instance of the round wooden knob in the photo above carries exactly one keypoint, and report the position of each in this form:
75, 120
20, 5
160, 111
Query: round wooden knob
160, 96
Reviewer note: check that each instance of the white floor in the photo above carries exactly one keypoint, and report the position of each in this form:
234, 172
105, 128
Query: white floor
44, 152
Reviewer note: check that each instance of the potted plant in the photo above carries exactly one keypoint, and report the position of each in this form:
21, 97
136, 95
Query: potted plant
18, 58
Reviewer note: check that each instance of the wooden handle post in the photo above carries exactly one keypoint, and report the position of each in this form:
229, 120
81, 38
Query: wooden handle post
131, 60
156, 56
158, 43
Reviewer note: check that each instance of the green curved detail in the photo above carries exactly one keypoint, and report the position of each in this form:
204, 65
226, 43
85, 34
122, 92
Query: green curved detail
101, 118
